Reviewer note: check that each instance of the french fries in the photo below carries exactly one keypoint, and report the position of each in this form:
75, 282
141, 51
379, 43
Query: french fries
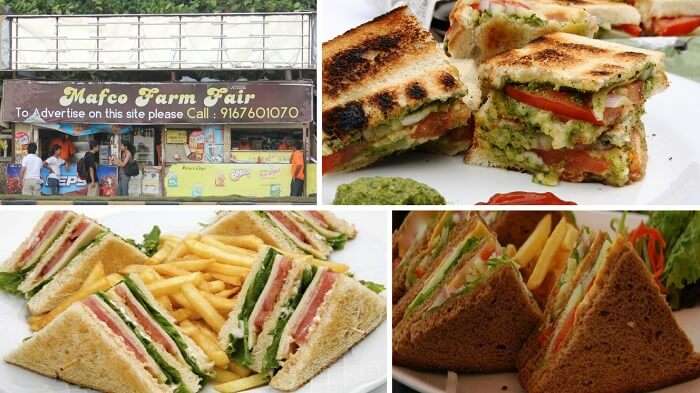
172, 285
243, 383
200, 304
208, 251
223, 375
534, 243
547, 256
227, 247
249, 242
208, 344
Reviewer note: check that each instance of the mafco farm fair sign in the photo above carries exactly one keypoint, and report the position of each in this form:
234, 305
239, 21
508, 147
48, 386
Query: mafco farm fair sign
156, 103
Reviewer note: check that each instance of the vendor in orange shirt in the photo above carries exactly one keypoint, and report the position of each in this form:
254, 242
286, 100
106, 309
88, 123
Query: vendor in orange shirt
297, 162
66, 145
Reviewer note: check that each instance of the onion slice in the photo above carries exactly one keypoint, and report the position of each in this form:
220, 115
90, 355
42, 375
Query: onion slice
614, 101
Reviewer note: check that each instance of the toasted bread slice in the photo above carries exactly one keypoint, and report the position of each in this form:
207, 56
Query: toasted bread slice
75, 347
483, 34
114, 254
349, 313
479, 332
568, 60
624, 338
654, 9
608, 13
381, 69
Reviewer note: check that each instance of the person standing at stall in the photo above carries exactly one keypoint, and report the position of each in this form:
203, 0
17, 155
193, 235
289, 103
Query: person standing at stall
297, 162
30, 174
126, 163
67, 147
54, 164
90, 161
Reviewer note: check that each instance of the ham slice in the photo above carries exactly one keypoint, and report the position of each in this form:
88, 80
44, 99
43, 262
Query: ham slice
271, 296
117, 327
67, 243
290, 225
154, 330
303, 329
318, 217
48, 227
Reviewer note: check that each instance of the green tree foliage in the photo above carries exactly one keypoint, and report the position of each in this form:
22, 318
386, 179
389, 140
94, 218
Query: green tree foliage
64, 7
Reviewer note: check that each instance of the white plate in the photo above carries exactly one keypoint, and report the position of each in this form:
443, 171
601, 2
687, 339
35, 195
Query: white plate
361, 370
670, 121
424, 382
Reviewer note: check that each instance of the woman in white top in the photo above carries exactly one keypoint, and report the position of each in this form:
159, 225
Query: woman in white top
54, 164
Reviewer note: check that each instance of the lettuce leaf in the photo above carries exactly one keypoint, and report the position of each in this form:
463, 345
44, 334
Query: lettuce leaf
9, 281
169, 328
238, 347
337, 242
671, 224
682, 266
373, 286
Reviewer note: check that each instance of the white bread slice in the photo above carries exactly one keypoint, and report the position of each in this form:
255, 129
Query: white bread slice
338, 224
350, 312
250, 223
111, 251
11, 264
265, 338
667, 8
77, 348
609, 12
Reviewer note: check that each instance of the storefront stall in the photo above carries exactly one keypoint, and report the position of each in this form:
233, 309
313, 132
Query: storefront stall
190, 139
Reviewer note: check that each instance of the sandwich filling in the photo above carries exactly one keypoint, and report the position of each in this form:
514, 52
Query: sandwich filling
307, 315
77, 239
268, 298
352, 149
318, 222
436, 244
168, 334
41, 240
559, 327
483, 28
240, 337
301, 236
450, 261
557, 132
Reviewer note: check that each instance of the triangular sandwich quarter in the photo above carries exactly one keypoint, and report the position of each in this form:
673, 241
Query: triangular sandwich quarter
472, 313
615, 332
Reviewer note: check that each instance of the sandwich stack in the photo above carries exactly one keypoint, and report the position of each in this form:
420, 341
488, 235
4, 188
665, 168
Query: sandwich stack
472, 312
566, 107
120, 341
607, 328
387, 88
293, 320
52, 263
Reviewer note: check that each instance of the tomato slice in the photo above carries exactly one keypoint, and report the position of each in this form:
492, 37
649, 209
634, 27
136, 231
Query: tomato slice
675, 26
565, 331
556, 102
487, 251
574, 160
434, 125
526, 198
332, 161
631, 29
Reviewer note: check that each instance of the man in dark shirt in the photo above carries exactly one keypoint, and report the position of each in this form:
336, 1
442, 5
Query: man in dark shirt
91, 167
